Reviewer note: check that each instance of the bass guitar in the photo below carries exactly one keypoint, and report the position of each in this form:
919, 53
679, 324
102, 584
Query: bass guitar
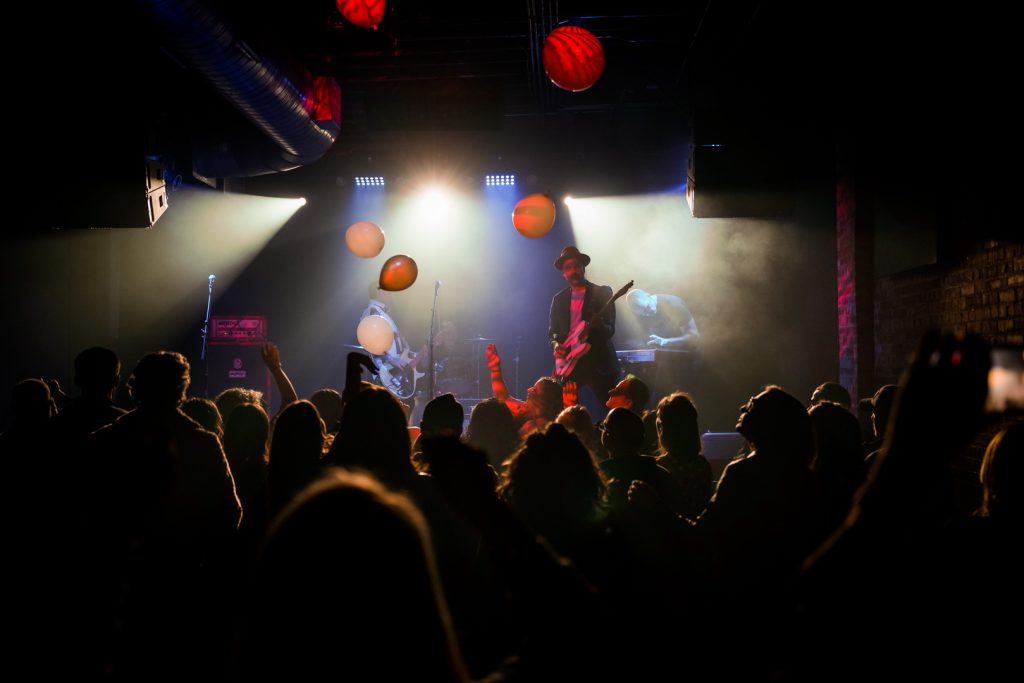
575, 344
400, 378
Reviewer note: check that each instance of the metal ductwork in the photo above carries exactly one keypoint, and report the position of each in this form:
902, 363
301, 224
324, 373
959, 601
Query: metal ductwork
282, 101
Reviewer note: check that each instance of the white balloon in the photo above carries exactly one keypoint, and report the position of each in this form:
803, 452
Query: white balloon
375, 334
364, 239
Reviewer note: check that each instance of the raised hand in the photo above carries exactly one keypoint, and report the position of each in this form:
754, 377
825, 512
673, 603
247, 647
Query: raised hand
655, 340
560, 351
570, 394
493, 359
57, 394
271, 355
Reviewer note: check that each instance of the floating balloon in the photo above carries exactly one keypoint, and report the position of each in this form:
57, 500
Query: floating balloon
398, 273
534, 215
573, 58
365, 13
375, 334
364, 239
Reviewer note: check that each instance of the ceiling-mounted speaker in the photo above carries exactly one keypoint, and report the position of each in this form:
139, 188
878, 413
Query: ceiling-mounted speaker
738, 181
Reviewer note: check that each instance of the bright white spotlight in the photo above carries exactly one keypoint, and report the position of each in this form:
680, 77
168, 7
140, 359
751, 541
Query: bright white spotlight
369, 181
500, 180
435, 206
568, 200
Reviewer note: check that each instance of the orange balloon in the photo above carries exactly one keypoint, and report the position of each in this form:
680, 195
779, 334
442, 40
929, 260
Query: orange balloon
375, 334
398, 273
534, 215
364, 239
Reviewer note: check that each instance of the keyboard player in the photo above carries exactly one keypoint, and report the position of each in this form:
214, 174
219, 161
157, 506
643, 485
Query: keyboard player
666, 353
665, 321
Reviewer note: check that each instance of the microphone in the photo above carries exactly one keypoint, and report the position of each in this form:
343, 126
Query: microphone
212, 279
437, 285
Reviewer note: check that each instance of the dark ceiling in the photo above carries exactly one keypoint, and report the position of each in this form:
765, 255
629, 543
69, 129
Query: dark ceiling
455, 81
449, 79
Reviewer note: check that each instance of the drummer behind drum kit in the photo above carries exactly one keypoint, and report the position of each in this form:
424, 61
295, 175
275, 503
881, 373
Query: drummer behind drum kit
462, 376
468, 380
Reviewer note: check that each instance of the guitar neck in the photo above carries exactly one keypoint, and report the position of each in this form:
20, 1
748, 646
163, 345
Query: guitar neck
625, 288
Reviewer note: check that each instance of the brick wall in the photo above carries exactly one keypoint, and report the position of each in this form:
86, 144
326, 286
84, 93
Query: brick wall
981, 293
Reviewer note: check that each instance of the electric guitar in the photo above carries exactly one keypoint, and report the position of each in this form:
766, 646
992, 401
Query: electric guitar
400, 378
576, 345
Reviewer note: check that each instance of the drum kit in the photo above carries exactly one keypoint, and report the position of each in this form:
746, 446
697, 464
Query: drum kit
464, 375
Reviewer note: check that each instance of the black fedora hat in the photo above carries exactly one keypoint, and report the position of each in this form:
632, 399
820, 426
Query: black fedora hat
571, 252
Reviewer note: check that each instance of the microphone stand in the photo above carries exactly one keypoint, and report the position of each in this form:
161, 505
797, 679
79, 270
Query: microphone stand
206, 327
430, 340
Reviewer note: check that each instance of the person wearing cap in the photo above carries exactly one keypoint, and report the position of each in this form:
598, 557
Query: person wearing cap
878, 407
598, 369
665, 321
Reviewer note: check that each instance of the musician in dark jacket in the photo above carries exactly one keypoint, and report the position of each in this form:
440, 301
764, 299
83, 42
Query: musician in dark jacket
598, 369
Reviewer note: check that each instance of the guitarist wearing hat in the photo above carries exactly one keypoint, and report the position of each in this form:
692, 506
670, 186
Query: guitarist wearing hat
587, 358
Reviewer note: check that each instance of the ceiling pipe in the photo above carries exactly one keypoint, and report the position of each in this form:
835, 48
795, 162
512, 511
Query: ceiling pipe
297, 114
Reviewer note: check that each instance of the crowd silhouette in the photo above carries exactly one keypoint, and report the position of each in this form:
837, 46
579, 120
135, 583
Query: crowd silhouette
187, 538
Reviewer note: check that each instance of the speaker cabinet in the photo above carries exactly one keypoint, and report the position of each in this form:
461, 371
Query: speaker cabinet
238, 365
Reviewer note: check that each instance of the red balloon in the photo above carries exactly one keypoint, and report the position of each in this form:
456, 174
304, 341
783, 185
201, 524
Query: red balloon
573, 58
398, 273
365, 13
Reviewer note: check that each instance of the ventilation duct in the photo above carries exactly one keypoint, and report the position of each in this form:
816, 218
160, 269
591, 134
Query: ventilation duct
298, 114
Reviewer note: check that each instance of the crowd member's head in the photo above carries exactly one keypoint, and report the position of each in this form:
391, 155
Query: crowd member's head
160, 380
631, 393
678, 432
833, 392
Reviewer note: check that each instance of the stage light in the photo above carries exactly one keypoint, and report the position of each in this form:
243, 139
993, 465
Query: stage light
369, 181
500, 180
568, 200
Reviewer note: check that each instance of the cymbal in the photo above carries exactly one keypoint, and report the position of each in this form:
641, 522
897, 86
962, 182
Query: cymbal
353, 346
480, 339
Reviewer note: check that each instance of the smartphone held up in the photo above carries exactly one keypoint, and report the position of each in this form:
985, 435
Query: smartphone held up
1006, 380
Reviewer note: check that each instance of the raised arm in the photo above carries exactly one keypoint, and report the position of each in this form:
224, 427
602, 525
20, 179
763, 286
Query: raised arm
497, 381
272, 358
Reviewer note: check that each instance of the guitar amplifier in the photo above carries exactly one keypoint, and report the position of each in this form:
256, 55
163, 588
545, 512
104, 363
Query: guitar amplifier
234, 355
238, 365
237, 329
